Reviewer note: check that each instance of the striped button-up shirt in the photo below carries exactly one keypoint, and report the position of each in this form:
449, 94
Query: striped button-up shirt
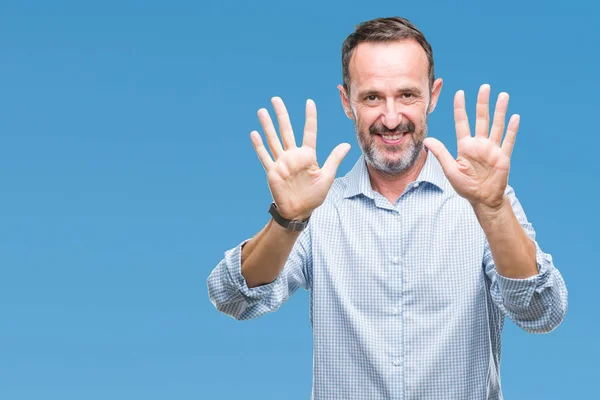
405, 299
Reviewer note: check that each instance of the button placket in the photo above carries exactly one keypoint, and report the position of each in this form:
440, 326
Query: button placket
396, 261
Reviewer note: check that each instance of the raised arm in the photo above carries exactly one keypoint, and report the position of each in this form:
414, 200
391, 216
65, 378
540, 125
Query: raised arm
297, 185
525, 283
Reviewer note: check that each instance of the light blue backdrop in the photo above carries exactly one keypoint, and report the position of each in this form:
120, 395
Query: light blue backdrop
126, 170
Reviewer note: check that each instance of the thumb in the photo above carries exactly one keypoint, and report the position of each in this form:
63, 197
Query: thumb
335, 158
441, 153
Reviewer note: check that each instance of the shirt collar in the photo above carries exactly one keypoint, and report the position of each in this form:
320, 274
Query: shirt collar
358, 181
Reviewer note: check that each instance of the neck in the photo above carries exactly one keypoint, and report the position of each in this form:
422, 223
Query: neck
392, 186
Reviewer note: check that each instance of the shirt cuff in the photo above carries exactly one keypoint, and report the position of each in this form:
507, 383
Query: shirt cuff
517, 293
233, 261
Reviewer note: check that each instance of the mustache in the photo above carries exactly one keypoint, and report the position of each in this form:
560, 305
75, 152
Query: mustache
380, 129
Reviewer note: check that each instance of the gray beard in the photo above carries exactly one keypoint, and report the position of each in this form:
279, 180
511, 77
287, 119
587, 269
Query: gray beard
391, 167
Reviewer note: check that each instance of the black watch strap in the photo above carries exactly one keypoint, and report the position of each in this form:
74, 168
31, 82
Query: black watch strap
290, 225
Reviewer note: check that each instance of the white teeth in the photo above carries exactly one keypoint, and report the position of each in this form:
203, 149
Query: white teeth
391, 137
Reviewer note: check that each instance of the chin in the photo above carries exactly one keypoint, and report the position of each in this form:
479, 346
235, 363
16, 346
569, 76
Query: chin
396, 164
389, 166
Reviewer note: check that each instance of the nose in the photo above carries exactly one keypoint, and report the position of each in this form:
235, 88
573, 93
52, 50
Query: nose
392, 116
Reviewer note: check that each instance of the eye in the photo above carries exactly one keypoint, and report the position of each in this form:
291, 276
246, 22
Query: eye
407, 95
371, 97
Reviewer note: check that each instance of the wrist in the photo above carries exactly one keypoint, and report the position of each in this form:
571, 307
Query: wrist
492, 211
280, 230
297, 215
296, 224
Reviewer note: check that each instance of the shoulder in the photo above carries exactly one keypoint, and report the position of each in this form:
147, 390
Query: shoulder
334, 200
337, 190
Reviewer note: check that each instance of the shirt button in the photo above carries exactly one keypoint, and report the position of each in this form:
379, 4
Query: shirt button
395, 310
416, 185
396, 362
396, 260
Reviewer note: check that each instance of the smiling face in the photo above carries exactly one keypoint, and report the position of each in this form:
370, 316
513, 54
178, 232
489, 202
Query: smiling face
389, 101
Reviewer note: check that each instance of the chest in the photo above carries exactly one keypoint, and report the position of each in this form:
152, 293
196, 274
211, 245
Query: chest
429, 256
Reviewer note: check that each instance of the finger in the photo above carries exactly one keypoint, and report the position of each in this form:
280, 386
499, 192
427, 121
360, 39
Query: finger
482, 113
499, 117
261, 151
335, 159
310, 126
461, 121
285, 126
511, 134
270, 133
440, 152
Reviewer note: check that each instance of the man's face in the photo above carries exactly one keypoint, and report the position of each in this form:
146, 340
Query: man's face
389, 102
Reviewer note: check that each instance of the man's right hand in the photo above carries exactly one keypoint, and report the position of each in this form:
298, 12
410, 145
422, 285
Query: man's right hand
297, 184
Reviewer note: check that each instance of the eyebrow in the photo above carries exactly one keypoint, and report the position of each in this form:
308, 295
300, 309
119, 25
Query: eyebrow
371, 92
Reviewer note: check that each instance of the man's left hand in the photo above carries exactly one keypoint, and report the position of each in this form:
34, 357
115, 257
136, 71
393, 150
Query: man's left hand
480, 171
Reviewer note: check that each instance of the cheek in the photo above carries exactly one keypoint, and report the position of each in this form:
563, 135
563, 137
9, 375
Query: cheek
417, 116
365, 117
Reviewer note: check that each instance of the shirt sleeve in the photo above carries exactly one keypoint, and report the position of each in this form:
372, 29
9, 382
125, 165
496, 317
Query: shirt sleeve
230, 294
537, 304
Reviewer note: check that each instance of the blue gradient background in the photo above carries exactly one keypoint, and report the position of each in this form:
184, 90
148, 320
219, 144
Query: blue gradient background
126, 170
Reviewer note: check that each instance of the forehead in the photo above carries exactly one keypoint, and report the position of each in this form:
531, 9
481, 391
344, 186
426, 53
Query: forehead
389, 64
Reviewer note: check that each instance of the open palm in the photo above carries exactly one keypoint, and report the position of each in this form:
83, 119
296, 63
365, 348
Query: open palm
297, 183
480, 171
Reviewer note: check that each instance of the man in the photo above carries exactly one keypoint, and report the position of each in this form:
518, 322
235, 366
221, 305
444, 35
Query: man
414, 258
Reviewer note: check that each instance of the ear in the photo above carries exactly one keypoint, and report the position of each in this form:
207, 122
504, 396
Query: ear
345, 102
435, 94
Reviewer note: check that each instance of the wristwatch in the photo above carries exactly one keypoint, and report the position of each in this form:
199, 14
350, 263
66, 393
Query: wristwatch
290, 225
